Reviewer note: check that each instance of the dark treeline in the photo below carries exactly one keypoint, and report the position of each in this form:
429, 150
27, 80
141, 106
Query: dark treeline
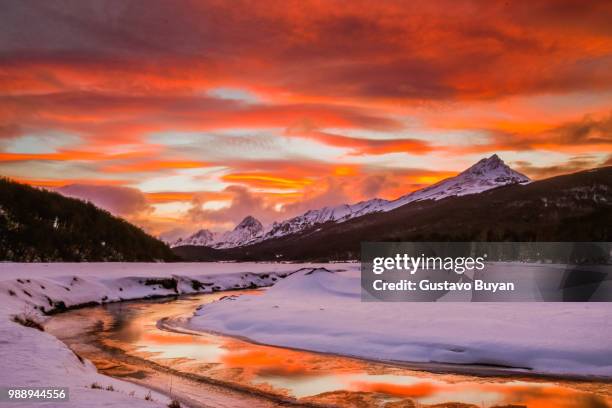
37, 225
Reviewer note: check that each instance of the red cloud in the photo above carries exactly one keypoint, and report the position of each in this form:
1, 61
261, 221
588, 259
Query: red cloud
363, 146
422, 51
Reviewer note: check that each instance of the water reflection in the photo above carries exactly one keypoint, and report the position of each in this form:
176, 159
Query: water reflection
312, 377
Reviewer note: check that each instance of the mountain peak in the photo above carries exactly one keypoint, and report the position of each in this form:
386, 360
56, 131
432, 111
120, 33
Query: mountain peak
246, 231
493, 161
486, 163
204, 233
202, 237
249, 222
487, 173
494, 168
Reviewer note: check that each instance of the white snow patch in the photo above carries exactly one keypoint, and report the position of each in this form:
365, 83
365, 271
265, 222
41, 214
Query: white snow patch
323, 312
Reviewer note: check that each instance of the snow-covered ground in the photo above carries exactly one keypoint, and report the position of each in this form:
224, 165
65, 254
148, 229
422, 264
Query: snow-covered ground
322, 311
33, 358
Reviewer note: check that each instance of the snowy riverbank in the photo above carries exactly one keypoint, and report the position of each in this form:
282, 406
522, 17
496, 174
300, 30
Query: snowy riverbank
322, 311
34, 358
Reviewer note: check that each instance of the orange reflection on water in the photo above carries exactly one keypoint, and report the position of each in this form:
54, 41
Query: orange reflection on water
536, 395
419, 390
264, 361
171, 338
314, 377
548, 395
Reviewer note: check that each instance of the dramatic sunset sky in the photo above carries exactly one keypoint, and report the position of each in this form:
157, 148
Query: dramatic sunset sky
185, 114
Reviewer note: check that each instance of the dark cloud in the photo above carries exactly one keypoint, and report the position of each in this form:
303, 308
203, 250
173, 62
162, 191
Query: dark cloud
586, 131
574, 164
397, 50
126, 118
374, 184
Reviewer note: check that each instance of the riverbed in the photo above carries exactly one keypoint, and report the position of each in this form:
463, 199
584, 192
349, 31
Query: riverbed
131, 341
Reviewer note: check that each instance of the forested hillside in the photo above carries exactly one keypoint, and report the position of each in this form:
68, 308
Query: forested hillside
38, 225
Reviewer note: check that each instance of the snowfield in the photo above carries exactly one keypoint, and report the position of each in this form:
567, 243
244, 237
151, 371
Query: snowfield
316, 310
322, 311
34, 358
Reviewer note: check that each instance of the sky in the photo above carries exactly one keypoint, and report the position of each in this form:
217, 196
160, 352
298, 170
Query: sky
180, 115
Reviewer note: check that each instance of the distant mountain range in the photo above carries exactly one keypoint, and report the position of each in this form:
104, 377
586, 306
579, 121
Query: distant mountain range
37, 225
248, 231
488, 173
488, 202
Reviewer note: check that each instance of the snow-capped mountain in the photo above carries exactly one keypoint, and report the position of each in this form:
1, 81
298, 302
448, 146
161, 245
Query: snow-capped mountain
203, 237
246, 232
338, 213
488, 173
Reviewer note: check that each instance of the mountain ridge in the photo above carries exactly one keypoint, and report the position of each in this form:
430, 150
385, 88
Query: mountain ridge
489, 172
470, 181
248, 230
568, 208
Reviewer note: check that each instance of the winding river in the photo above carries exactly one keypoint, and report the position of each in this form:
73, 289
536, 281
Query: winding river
136, 341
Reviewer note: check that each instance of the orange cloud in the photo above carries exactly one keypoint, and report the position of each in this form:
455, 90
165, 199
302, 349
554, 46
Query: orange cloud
63, 156
259, 180
70, 155
63, 182
154, 165
168, 197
